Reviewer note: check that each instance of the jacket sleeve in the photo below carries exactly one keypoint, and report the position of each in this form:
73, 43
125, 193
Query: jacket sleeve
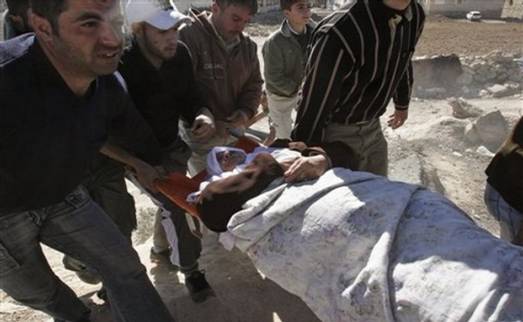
128, 130
249, 99
191, 45
274, 68
402, 95
329, 64
194, 101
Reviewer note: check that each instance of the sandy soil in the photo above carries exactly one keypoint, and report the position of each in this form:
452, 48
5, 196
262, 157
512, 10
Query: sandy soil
441, 35
431, 138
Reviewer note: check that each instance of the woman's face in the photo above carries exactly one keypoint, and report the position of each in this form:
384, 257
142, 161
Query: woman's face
228, 160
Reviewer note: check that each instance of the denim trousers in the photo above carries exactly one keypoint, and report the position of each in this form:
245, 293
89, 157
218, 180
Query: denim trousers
510, 220
79, 228
170, 225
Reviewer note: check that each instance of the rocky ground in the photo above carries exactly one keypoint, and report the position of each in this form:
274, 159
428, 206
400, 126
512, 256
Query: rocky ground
434, 148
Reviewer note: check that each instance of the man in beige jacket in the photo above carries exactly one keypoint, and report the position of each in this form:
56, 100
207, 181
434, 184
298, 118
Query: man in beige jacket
227, 71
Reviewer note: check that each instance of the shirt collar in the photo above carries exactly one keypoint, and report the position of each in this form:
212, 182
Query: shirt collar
390, 14
287, 31
48, 75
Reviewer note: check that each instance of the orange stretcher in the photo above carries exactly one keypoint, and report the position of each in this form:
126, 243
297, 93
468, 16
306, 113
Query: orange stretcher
177, 186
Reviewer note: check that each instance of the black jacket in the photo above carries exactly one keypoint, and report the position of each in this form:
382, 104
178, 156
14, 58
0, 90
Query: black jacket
49, 136
505, 171
162, 96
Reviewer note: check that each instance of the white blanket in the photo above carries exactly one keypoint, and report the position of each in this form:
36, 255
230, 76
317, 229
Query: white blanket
357, 247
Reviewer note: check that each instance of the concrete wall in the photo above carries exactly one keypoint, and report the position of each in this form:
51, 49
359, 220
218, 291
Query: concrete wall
184, 5
263, 5
458, 8
513, 9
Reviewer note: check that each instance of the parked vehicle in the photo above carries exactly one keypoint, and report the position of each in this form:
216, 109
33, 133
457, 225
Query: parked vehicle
474, 16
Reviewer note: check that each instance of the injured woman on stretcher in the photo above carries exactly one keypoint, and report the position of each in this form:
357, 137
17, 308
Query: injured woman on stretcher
358, 247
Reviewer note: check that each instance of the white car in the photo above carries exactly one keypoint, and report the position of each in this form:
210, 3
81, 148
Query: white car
474, 16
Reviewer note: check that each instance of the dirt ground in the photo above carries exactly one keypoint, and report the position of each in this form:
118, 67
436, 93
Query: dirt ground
441, 35
431, 136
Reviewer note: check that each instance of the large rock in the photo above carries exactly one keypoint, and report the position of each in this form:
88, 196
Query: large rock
461, 109
492, 129
471, 135
504, 90
437, 74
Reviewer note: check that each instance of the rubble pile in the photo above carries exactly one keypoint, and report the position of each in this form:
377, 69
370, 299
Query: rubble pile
493, 75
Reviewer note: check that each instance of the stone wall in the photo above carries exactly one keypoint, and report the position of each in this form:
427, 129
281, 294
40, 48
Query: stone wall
495, 74
513, 9
458, 8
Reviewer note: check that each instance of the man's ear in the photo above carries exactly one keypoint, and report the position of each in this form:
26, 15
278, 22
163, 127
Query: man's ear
286, 13
215, 8
41, 26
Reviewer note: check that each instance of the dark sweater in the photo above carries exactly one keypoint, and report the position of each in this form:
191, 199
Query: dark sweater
162, 95
505, 171
49, 136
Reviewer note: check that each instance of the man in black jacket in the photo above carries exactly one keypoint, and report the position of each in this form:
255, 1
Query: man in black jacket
60, 106
159, 76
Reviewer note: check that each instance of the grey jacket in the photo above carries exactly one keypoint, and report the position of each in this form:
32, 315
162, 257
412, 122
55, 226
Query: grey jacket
284, 61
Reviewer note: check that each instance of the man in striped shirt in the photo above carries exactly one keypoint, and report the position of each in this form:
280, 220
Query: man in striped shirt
360, 58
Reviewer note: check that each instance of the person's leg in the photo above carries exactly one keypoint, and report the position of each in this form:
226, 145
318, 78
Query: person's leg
375, 153
367, 142
25, 274
349, 135
280, 113
510, 220
80, 228
107, 188
186, 247
160, 242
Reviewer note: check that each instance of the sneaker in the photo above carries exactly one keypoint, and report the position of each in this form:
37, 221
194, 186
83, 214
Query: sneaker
199, 289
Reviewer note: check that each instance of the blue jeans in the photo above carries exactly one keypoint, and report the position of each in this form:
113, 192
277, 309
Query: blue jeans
509, 219
77, 227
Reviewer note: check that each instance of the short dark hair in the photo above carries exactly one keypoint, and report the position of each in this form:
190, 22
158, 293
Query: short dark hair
49, 9
17, 7
287, 4
251, 4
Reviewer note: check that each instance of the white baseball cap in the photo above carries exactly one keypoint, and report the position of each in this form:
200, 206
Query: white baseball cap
154, 13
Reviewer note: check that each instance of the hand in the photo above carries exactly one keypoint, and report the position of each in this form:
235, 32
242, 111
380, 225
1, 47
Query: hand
203, 127
306, 168
222, 129
146, 175
398, 118
238, 119
297, 145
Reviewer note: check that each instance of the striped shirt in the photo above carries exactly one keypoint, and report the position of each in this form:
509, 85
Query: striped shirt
360, 58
